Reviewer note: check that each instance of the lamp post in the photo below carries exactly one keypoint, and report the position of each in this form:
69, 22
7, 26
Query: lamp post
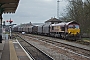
10, 21
58, 9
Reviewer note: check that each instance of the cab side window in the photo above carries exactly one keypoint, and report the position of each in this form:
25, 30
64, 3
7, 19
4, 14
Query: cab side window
62, 28
70, 26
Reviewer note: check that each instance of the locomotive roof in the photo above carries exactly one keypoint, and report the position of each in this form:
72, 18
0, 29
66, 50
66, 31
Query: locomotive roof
72, 22
64, 23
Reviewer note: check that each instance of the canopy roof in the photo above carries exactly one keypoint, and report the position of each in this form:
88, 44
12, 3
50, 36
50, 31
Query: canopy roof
8, 6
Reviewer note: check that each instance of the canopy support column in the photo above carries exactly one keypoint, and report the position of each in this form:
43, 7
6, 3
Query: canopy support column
0, 28
1, 12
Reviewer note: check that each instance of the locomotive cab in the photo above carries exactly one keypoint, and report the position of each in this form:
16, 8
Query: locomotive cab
73, 30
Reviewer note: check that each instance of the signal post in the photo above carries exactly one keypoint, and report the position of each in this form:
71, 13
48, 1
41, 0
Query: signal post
10, 26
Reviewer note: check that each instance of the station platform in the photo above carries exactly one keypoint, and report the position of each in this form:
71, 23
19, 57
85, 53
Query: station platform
12, 50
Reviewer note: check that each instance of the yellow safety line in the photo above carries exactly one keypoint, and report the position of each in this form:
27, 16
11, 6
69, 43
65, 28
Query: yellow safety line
13, 55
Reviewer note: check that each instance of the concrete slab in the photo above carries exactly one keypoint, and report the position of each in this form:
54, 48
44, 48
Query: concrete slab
2, 44
0, 54
6, 52
1, 47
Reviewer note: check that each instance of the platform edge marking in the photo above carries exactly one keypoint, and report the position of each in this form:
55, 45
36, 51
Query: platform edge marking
24, 50
13, 55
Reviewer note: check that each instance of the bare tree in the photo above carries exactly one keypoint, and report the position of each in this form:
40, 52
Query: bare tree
79, 11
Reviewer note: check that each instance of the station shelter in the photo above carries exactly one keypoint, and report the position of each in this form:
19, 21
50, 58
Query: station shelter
7, 6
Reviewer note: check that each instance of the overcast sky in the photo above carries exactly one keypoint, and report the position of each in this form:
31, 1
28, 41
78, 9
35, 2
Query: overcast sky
35, 11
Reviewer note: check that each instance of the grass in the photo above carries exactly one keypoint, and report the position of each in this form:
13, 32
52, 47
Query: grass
84, 41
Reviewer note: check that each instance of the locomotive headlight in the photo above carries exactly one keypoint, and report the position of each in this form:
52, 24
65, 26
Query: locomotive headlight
69, 32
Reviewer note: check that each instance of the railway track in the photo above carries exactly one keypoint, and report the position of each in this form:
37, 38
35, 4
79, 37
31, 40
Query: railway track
34, 52
76, 53
72, 49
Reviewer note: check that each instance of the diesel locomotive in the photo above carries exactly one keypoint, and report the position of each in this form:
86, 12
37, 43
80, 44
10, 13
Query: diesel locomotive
69, 30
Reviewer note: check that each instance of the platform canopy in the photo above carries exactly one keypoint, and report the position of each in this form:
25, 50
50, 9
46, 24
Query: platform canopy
8, 6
